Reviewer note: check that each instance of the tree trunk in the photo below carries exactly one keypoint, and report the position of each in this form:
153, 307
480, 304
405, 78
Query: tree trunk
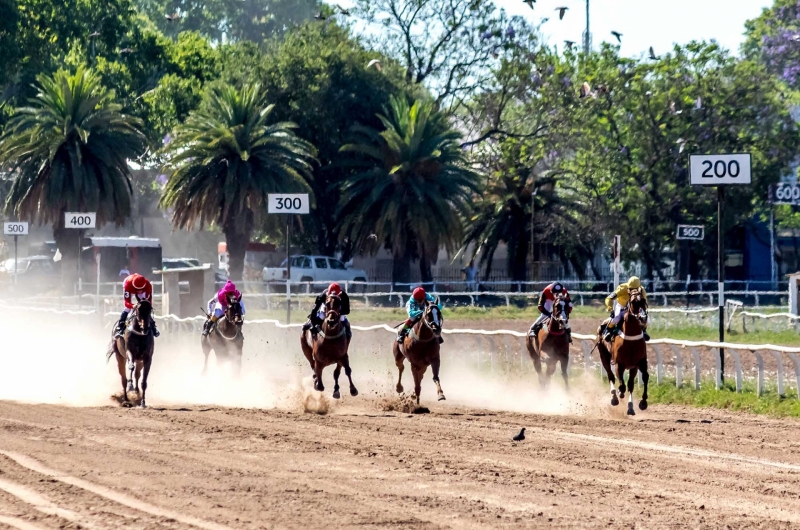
518, 264
67, 240
401, 267
425, 272
237, 236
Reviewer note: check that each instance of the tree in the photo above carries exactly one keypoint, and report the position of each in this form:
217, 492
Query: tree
69, 151
774, 39
224, 161
317, 77
411, 187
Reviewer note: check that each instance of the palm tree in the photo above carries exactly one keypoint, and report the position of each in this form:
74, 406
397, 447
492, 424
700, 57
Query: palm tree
68, 151
226, 159
410, 186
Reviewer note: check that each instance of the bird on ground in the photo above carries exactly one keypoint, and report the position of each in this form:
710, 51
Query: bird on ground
520, 436
653, 55
618, 35
345, 12
529, 2
561, 12
173, 17
376, 63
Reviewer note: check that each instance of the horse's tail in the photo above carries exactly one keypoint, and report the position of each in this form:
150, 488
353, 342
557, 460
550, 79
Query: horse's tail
110, 351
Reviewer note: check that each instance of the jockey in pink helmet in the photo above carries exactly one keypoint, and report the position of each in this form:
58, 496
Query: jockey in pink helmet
219, 302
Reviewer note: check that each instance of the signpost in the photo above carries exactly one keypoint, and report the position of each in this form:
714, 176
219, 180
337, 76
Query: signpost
720, 171
15, 229
617, 252
80, 221
781, 193
289, 204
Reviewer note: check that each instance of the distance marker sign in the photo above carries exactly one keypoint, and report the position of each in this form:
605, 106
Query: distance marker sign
691, 232
718, 170
288, 203
15, 229
80, 220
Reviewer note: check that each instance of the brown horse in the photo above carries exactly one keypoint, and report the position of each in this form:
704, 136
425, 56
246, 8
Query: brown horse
421, 348
552, 340
138, 344
226, 338
329, 347
628, 351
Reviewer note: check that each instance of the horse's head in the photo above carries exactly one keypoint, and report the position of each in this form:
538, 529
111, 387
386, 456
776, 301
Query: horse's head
333, 310
637, 305
144, 314
433, 317
560, 311
233, 313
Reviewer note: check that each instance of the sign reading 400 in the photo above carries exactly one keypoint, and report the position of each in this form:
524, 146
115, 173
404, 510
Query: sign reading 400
80, 220
288, 203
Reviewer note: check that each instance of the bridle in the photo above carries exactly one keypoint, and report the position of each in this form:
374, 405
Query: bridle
432, 318
559, 315
233, 318
637, 306
333, 317
145, 326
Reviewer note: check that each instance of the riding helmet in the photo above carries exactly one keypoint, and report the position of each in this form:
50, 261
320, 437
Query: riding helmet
334, 289
138, 281
419, 294
634, 283
557, 287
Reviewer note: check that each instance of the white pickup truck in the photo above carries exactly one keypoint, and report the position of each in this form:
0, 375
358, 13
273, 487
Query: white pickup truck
315, 269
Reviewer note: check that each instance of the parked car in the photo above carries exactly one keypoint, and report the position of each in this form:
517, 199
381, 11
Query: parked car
321, 269
33, 271
179, 263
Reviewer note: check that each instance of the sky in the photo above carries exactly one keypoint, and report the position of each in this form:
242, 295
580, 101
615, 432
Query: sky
644, 23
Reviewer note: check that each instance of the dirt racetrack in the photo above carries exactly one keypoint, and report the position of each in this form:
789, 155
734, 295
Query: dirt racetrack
264, 451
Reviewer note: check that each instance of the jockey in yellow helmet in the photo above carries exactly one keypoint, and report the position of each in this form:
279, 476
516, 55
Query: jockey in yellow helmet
617, 304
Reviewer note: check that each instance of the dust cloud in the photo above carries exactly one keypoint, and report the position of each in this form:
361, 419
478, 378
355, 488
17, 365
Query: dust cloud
60, 359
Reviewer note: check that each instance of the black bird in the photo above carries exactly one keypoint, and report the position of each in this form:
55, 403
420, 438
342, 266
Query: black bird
320, 16
653, 55
343, 11
520, 436
561, 12
529, 2
618, 35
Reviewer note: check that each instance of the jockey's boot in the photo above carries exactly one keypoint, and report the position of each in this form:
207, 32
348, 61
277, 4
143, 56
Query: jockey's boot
207, 325
569, 335
646, 335
441, 340
121, 325
535, 329
347, 331
610, 332
401, 335
156, 333
307, 325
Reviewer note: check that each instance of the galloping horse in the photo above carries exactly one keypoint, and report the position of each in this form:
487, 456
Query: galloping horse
138, 344
421, 348
628, 350
330, 347
552, 340
226, 338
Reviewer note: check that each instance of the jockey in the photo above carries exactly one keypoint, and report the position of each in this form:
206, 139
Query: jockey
415, 307
135, 285
546, 302
617, 303
317, 315
219, 302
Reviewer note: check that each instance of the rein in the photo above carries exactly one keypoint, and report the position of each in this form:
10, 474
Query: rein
132, 321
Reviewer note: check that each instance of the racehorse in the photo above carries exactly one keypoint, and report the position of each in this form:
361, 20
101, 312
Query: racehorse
628, 351
552, 340
329, 347
226, 338
421, 348
138, 344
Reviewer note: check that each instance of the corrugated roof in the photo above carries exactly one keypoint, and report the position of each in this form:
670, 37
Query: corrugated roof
132, 241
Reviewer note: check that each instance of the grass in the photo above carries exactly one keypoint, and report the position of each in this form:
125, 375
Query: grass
769, 403
699, 333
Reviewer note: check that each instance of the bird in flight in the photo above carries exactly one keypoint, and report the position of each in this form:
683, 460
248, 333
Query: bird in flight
653, 55
173, 17
569, 43
345, 12
520, 436
529, 2
618, 35
561, 12
376, 63
320, 16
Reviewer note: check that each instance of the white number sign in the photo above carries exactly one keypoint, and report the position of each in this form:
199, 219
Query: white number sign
716, 170
691, 232
15, 229
785, 194
80, 220
288, 203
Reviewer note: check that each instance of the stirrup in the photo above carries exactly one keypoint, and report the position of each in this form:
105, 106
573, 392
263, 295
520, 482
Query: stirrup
646, 336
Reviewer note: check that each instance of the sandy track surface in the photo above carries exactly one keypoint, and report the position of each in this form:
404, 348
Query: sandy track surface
210, 467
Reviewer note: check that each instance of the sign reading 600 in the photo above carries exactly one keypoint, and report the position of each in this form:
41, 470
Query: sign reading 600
784, 193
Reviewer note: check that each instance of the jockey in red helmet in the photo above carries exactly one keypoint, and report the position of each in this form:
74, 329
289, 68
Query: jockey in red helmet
547, 301
317, 314
415, 307
135, 287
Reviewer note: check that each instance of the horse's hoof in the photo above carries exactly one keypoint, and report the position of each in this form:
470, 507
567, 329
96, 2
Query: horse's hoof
353, 391
441, 397
126, 404
643, 405
399, 389
630, 410
336, 394
614, 401
142, 406
130, 388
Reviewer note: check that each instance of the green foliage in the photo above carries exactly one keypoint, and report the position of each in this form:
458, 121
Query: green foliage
770, 403
224, 161
412, 184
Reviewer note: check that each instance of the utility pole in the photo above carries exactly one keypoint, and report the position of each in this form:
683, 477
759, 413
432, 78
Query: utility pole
587, 35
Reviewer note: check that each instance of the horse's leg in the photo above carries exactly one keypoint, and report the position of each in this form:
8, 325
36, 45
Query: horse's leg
537, 359
435, 363
121, 368
631, 379
308, 352
564, 365
418, 372
645, 380
147, 362
620, 376
399, 360
206, 344
138, 377
349, 373
551, 369
605, 358
336, 372
131, 368
239, 343
318, 367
